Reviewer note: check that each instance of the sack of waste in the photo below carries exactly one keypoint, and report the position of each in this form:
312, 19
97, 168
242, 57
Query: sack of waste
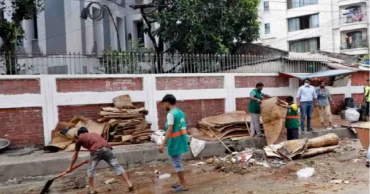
352, 115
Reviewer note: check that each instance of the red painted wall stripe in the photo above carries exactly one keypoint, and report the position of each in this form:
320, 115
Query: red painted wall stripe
99, 85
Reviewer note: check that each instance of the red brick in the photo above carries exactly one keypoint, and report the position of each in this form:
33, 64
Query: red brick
358, 99
251, 81
242, 103
189, 83
99, 85
19, 86
359, 78
91, 111
22, 126
194, 110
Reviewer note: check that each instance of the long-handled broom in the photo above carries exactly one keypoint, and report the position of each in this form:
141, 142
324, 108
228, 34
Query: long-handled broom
48, 184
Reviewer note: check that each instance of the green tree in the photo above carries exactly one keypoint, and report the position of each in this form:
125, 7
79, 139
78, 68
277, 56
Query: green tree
200, 26
12, 32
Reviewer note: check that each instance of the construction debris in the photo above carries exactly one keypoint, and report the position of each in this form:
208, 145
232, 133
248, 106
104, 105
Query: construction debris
228, 125
276, 155
238, 162
303, 147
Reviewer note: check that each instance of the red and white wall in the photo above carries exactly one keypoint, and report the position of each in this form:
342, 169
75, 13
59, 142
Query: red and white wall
31, 106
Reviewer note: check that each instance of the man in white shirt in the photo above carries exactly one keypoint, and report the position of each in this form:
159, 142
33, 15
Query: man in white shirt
306, 99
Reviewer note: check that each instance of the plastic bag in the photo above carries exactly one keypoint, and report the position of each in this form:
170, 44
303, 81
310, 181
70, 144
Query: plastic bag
197, 146
157, 139
352, 115
305, 172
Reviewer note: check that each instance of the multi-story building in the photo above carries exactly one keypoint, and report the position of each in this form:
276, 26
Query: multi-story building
337, 26
59, 28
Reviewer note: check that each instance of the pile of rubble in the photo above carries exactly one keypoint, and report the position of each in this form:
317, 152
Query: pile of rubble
275, 155
238, 162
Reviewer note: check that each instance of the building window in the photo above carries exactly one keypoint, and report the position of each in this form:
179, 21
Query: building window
267, 28
354, 40
35, 29
304, 46
266, 5
301, 3
2, 14
140, 33
352, 14
304, 22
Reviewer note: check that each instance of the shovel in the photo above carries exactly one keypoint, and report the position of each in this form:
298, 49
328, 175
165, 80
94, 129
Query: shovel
48, 184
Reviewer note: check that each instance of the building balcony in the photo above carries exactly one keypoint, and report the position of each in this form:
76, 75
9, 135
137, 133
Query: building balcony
353, 22
359, 47
351, 2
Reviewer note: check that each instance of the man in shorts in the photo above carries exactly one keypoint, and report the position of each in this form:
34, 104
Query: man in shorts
176, 139
99, 150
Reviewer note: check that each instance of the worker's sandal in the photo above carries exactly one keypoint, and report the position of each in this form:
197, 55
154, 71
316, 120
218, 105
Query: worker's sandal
368, 164
131, 189
179, 189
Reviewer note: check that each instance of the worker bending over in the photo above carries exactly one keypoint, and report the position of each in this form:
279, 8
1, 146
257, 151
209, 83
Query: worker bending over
99, 150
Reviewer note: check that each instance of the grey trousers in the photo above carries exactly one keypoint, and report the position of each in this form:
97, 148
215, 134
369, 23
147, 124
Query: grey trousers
255, 124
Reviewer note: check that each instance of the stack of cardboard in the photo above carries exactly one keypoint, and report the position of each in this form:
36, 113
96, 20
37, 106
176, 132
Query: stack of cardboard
127, 122
232, 124
63, 137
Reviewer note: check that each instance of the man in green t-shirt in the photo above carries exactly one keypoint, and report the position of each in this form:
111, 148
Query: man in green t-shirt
176, 138
254, 109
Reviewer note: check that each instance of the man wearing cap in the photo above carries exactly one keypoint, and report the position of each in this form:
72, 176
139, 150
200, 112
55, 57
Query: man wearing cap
99, 150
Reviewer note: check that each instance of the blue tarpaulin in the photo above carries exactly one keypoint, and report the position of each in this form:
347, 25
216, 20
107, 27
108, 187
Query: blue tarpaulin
329, 73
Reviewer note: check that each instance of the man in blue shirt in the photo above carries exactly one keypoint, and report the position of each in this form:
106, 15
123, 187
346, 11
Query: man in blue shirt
306, 99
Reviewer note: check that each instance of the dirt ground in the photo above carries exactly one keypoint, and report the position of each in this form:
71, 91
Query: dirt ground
348, 165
